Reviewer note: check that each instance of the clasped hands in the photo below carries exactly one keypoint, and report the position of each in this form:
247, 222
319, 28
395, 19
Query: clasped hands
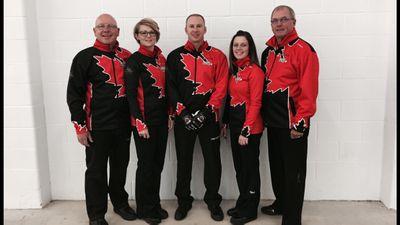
195, 120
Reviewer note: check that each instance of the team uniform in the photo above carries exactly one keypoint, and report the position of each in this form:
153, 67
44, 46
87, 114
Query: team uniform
242, 113
289, 101
145, 89
197, 80
97, 102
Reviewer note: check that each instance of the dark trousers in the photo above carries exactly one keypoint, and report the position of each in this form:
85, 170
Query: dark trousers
151, 154
247, 167
107, 145
210, 143
288, 163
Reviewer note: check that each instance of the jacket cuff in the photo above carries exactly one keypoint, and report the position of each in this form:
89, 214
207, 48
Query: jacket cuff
300, 125
140, 126
80, 129
245, 131
180, 109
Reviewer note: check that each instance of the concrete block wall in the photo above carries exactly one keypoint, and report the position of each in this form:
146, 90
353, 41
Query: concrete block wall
347, 139
26, 164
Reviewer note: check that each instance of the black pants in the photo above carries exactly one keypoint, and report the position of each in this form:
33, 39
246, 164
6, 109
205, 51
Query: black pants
113, 145
247, 167
210, 143
288, 163
151, 154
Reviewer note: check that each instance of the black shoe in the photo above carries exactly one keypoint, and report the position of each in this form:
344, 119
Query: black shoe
232, 211
270, 210
101, 221
216, 213
181, 212
127, 213
152, 220
163, 213
242, 220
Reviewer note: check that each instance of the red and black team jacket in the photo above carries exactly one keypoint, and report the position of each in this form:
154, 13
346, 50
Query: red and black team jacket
243, 104
96, 89
145, 88
197, 78
291, 68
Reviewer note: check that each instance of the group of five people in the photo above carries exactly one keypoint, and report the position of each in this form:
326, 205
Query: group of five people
112, 93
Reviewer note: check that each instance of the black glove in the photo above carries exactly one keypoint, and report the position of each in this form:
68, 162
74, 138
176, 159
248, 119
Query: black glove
188, 120
198, 119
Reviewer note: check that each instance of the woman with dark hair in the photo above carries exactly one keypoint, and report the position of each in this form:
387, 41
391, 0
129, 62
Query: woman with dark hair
242, 114
145, 89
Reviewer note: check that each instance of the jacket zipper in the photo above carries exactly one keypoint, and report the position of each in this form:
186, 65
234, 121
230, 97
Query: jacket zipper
195, 70
115, 77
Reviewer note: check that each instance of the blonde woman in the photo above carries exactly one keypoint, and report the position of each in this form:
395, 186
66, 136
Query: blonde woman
145, 89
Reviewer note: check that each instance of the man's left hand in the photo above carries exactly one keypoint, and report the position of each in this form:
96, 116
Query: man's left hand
295, 134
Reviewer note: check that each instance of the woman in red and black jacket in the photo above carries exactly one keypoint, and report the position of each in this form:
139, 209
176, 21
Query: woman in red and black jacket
242, 113
145, 89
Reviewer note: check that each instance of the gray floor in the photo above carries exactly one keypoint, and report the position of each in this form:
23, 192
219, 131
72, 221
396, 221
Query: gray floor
314, 213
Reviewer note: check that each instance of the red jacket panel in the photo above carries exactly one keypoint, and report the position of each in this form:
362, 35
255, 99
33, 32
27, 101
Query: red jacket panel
244, 98
291, 70
196, 78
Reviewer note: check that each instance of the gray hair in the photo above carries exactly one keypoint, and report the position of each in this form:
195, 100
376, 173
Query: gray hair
291, 11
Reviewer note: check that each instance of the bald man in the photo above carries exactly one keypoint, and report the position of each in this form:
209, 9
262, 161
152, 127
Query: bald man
100, 114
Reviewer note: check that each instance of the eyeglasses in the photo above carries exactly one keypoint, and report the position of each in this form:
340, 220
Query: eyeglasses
145, 33
281, 20
106, 26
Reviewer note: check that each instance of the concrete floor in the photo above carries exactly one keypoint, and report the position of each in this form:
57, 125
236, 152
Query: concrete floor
314, 213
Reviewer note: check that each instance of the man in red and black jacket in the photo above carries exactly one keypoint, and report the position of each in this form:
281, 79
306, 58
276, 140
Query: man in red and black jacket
197, 76
100, 113
289, 101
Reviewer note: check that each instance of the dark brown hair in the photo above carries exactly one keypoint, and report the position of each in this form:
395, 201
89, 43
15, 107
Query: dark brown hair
252, 49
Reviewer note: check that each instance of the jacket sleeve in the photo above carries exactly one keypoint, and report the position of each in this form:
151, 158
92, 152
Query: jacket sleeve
132, 86
256, 83
221, 85
308, 82
76, 93
174, 97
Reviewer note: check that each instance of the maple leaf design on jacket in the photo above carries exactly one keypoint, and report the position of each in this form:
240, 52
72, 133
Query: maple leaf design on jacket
236, 102
158, 76
199, 75
114, 73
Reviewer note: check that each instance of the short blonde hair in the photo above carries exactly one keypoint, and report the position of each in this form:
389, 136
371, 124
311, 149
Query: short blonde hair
150, 23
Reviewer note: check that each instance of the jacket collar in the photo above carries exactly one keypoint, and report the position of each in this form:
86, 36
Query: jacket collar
190, 47
146, 52
242, 62
288, 38
104, 47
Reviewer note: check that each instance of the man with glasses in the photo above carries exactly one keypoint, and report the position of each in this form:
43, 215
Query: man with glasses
197, 79
289, 101
100, 114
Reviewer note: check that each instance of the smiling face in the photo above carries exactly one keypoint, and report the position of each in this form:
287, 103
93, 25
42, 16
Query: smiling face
146, 36
106, 29
240, 47
282, 23
195, 29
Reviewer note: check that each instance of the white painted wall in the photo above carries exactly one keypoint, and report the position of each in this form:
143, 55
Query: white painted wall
389, 163
26, 163
350, 140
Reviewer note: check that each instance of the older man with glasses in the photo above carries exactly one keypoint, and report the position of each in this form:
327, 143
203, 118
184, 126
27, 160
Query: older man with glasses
289, 101
100, 113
